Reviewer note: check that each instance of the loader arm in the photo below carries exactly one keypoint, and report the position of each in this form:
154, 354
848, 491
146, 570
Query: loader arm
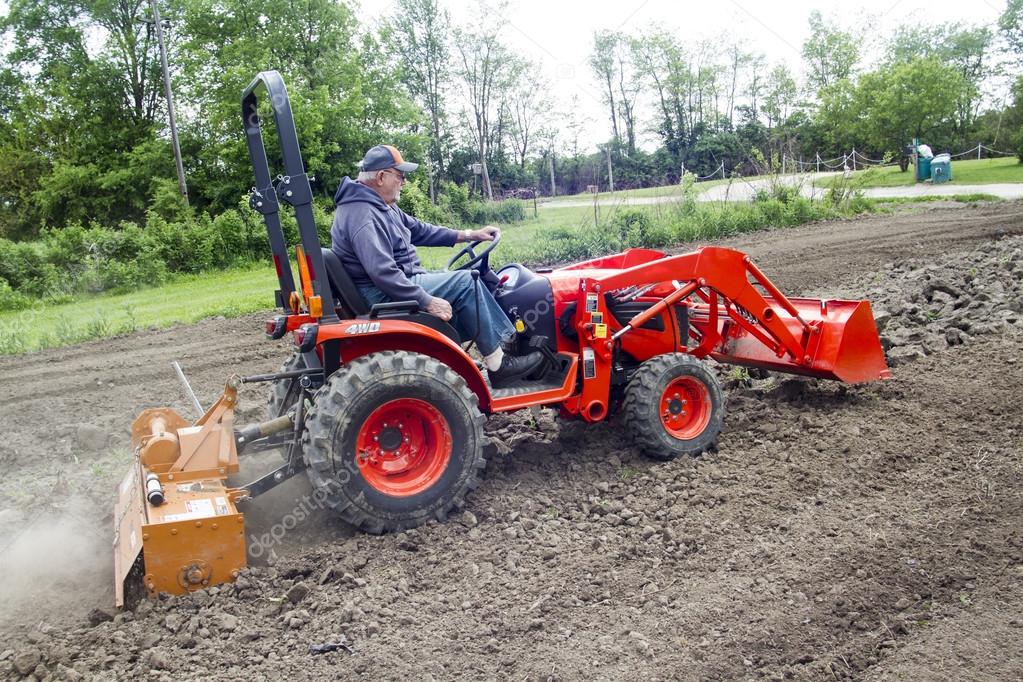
739, 316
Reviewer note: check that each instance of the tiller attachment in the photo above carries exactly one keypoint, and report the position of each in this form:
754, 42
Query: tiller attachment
177, 528
176, 525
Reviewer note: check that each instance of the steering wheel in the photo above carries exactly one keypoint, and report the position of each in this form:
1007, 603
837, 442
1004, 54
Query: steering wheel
481, 259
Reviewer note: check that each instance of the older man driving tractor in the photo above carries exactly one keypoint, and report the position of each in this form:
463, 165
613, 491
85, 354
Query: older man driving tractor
375, 241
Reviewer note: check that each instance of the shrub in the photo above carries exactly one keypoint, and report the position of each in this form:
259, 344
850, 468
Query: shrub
415, 201
630, 227
11, 299
507, 211
69, 246
123, 277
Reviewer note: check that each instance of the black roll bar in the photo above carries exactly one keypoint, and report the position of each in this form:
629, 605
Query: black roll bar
291, 188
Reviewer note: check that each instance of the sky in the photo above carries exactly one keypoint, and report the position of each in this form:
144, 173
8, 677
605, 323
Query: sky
558, 34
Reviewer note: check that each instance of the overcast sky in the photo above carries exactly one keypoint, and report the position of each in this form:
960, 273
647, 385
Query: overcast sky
559, 33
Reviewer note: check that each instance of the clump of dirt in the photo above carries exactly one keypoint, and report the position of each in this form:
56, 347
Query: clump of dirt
923, 307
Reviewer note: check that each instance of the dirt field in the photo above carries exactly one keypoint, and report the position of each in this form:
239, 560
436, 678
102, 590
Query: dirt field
871, 532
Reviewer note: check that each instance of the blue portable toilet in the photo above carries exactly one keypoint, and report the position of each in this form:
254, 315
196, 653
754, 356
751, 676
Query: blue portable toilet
941, 169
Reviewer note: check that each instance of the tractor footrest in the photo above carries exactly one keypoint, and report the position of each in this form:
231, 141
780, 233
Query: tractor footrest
526, 387
554, 378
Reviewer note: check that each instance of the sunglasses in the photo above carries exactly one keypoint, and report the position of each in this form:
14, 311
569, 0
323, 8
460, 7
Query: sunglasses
401, 176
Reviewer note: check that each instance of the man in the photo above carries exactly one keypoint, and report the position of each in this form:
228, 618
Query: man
376, 241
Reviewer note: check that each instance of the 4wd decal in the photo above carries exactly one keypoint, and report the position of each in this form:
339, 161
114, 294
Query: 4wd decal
363, 328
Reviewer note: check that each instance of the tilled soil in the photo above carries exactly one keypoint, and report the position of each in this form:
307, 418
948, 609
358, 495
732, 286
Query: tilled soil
837, 532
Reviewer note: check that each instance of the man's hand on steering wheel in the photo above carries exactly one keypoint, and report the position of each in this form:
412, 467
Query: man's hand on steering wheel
479, 261
487, 233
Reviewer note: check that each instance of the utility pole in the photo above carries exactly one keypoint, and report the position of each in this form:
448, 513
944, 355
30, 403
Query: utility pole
182, 186
554, 188
610, 173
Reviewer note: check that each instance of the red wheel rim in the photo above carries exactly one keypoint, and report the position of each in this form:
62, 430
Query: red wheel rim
403, 448
685, 408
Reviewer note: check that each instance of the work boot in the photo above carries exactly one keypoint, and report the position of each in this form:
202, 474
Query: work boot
515, 367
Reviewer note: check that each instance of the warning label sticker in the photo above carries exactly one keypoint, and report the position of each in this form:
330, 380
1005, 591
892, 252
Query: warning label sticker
222, 509
204, 507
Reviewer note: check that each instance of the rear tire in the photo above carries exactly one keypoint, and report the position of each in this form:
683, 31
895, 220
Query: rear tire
393, 440
673, 406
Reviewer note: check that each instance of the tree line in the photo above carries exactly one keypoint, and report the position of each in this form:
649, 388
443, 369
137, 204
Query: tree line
84, 140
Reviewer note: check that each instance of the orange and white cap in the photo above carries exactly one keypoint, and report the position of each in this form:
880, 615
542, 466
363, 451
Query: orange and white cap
384, 156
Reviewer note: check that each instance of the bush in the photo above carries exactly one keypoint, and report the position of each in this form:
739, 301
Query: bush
456, 208
123, 277
415, 201
11, 299
507, 211
630, 227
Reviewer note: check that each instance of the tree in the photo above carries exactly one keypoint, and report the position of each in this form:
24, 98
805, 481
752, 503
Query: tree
418, 39
890, 101
529, 108
780, 95
603, 63
88, 100
345, 93
965, 48
830, 53
486, 70
1011, 24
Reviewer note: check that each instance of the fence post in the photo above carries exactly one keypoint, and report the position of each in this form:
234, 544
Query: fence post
783, 164
854, 158
979, 147
818, 161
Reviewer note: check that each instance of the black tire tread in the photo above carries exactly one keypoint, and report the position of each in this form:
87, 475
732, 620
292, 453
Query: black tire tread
640, 407
328, 411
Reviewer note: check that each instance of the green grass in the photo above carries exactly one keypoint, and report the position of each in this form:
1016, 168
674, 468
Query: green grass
964, 172
184, 300
970, 198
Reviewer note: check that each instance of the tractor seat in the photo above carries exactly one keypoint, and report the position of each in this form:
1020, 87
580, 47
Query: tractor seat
350, 304
346, 295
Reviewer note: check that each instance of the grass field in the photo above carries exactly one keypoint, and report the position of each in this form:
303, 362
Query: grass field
964, 172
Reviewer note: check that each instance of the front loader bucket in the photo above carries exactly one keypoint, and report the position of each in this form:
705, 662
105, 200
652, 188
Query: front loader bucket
842, 345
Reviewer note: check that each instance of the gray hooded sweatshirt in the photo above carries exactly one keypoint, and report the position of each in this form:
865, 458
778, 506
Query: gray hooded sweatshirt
376, 242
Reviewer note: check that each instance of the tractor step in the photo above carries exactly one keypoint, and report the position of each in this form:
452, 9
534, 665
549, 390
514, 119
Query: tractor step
526, 387
552, 380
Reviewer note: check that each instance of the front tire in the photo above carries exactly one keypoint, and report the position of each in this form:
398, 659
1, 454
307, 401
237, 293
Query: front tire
393, 440
673, 406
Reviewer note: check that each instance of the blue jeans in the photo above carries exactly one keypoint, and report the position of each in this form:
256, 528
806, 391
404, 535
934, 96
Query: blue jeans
457, 288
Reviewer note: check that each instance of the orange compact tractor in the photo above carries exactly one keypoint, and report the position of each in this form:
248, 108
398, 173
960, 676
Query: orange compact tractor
384, 408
